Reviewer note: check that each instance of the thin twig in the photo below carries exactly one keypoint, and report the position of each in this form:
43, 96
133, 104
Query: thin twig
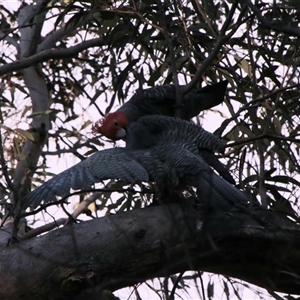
172, 294
45, 228
253, 105
263, 136
63, 199
202, 285
222, 38
4, 166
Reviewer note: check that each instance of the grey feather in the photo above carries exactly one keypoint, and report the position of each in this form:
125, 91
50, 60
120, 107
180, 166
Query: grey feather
161, 149
116, 163
161, 100
180, 131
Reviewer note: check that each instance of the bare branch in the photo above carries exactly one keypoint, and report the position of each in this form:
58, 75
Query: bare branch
50, 54
82, 206
63, 199
37, 231
263, 136
66, 31
136, 247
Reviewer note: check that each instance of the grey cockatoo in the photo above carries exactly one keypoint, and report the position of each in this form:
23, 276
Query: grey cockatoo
162, 149
161, 100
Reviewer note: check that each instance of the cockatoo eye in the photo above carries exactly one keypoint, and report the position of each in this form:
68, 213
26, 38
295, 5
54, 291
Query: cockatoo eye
116, 123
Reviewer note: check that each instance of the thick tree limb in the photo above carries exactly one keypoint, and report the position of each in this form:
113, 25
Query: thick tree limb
112, 252
36, 84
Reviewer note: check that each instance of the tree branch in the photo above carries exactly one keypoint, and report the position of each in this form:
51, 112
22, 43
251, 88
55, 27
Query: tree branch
263, 136
95, 191
50, 54
67, 262
45, 228
66, 31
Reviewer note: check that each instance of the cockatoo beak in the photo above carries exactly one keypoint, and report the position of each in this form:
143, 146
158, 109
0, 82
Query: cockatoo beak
121, 134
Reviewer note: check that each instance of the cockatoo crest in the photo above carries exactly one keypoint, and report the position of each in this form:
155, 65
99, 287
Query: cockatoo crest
112, 125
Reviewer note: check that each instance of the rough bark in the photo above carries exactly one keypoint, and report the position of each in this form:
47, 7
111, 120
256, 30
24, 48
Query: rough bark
36, 84
112, 252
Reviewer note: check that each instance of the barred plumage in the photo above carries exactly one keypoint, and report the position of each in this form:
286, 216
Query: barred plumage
161, 100
159, 148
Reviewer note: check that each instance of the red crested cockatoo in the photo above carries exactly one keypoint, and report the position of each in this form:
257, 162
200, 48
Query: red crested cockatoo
161, 149
161, 100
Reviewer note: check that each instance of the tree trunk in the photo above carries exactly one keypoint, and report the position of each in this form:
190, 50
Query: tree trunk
83, 260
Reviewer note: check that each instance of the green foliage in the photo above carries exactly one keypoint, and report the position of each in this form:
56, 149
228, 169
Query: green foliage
147, 43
